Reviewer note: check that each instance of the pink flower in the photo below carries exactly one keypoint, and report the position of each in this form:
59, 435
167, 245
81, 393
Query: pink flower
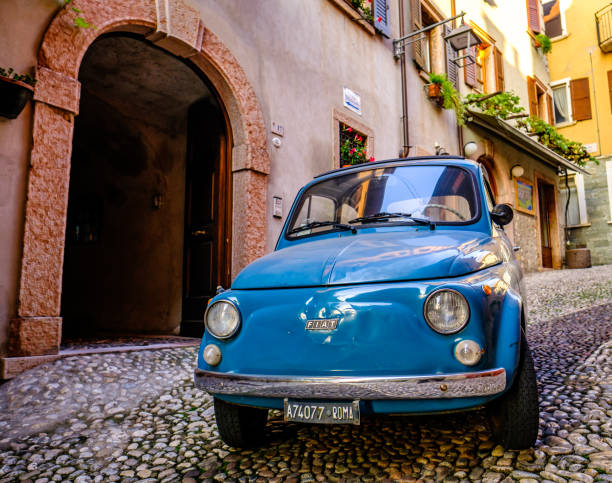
350, 129
372, 159
352, 151
379, 19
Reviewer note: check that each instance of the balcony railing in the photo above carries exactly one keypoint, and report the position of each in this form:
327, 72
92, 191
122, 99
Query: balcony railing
603, 19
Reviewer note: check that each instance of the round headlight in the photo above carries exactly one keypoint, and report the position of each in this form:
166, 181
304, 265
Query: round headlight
446, 311
222, 319
468, 352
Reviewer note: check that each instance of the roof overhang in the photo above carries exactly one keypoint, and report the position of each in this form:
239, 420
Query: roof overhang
521, 141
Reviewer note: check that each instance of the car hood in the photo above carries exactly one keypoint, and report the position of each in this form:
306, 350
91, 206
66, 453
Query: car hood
373, 257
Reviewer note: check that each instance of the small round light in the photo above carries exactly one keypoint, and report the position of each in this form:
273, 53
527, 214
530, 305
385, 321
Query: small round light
446, 311
212, 355
222, 319
468, 352
470, 148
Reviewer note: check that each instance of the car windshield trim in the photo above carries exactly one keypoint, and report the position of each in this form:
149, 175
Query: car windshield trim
407, 222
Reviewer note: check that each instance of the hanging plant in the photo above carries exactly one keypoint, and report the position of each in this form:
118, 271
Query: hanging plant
503, 105
15, 91
448, 96
548, 136
544, 43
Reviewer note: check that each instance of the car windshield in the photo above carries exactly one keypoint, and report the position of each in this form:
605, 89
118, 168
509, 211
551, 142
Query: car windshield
437, 194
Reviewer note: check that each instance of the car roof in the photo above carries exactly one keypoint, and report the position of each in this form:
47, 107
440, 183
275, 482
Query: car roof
416, 160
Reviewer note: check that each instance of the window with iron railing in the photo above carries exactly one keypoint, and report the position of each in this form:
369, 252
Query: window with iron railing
603, 19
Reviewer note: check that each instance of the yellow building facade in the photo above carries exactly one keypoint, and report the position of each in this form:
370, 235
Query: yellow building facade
580, 67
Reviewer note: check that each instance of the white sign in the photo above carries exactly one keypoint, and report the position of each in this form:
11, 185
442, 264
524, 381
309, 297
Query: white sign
277, 210
352, 100
591, 148
278, 129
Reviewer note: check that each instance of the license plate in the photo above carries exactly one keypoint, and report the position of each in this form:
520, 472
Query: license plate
322, 412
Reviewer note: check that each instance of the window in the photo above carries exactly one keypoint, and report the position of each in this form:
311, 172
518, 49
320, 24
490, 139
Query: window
540, 102
534, 15
554, 20
576, 213
427, 44
581, 99
353, 145
562, 106
487, 73
342, 122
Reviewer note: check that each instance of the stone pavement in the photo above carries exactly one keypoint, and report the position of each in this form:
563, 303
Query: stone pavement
137, 417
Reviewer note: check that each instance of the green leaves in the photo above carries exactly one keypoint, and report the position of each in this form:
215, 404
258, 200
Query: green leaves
79, 21
11, 74
545, 43
500, 105
450, 96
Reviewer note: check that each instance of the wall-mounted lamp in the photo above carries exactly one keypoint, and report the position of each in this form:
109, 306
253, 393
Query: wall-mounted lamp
516, 171
469, 148
463, 37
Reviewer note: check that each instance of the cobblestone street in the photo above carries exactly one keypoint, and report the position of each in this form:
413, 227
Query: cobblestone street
136, 416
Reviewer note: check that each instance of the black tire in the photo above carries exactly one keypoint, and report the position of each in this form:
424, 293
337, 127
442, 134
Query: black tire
240, 426
514, 416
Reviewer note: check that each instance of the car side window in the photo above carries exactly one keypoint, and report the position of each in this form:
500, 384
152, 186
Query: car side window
316, 208
488, 194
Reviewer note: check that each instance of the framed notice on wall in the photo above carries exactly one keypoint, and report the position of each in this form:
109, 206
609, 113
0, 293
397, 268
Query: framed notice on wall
523, 195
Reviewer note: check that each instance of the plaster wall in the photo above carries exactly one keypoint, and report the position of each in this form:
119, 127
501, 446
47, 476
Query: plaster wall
130, 278
22, 25
299, 56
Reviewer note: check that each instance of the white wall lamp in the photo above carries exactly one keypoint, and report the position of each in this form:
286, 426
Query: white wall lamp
516, 171
469, 148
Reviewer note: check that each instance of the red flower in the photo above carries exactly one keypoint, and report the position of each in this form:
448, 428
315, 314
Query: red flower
361, 154
352, 151
372, 159
379, 19
350, 129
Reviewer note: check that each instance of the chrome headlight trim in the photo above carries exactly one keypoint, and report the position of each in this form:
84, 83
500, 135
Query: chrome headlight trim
437, 292
238, 325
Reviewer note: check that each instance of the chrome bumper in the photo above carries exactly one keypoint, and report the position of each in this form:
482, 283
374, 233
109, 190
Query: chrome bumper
439, 386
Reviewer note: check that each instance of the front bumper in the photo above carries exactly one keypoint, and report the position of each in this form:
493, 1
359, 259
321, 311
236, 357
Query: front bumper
438, 386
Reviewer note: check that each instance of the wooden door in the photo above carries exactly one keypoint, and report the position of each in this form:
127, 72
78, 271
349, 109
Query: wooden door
207, 201
546, 205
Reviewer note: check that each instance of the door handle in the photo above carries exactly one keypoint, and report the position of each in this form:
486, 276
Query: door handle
199, 233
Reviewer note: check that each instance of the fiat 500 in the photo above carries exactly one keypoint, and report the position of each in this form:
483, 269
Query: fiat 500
393, 289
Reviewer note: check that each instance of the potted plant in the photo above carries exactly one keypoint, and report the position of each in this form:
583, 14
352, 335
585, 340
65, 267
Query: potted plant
354, 149
445, 94
15, 91
542, 41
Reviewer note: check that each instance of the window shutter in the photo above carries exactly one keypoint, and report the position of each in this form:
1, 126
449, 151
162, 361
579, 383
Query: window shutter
417, 24
533, 97
549, 106
470, 70
533, 15
499, 69
610, 87
452, 70
380, 11
581, 99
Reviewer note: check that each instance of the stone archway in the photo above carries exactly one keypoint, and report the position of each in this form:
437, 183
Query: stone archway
177, 28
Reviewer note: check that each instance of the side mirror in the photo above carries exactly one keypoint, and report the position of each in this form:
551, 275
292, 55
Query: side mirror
502, 214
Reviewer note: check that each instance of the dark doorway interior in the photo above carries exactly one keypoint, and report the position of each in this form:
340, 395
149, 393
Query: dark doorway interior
150, 135
546, 202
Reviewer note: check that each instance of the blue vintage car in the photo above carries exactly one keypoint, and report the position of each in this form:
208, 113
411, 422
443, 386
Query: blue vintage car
392, 289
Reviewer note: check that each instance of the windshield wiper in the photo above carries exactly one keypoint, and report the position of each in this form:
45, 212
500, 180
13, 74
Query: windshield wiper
317, 224
383, 216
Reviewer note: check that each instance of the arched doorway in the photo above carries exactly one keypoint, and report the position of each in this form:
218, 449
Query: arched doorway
149, 207
177, 28
487, 164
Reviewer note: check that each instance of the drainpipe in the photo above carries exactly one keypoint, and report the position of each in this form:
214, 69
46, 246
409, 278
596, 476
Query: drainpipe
459, 128
569, 195
405, 128
595, 101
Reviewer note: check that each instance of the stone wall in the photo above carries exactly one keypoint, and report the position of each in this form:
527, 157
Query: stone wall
598, 236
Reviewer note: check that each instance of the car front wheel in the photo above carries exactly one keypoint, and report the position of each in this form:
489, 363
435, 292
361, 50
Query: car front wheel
514, 416
240, 426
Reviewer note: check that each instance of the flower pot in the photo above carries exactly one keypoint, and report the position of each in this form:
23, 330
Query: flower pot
434, 90
13, 96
